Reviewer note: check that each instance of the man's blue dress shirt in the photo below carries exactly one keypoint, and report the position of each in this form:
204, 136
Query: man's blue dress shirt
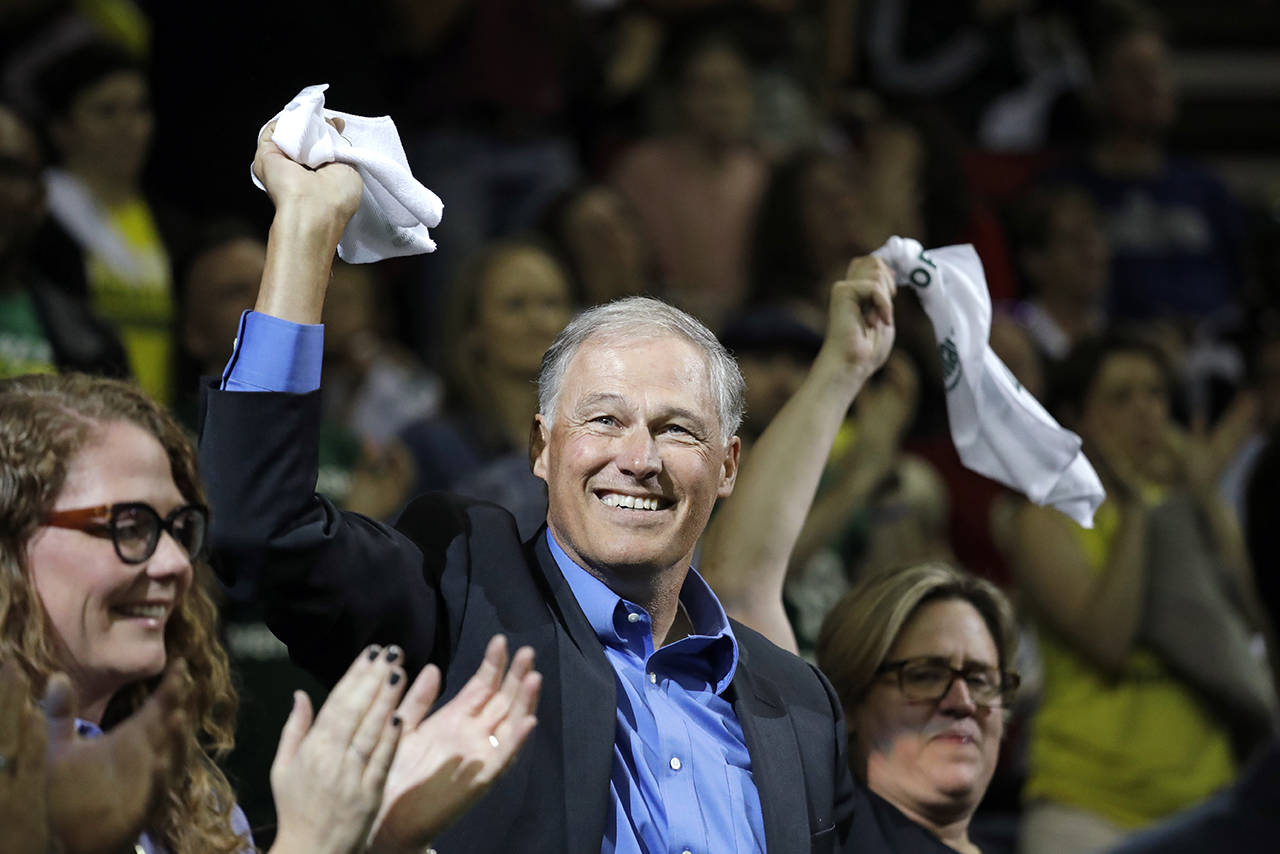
681, 781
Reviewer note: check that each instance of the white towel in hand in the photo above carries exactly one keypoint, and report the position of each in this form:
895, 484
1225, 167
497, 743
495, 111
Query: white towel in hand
999, 429
395, 210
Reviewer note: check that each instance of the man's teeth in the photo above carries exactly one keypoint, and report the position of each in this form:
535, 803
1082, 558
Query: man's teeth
155, 612
630, 502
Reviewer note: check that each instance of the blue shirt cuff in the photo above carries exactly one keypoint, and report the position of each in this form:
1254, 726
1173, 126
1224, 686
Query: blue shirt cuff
272, 354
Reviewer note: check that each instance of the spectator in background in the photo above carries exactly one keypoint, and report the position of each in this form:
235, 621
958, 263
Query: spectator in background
362, 467
508, 304
1262, 396
874, 508
997, 67
595, 229
482, 96
1064, 260
806, 229
1150, 687
925, 748
42, 327
697, 190
104, 241
1176, 233
1246, 818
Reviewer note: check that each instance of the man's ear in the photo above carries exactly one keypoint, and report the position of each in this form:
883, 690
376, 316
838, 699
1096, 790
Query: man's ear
729, 468
539, 439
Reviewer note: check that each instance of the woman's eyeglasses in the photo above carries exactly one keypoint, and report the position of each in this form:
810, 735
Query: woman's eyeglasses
134, 527
929, 679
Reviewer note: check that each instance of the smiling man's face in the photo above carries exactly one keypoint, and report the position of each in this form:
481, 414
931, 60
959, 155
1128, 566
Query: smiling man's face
634, 459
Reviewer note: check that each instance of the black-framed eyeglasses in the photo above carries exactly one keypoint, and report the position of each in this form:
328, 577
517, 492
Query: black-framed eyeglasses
135, 527
928, 679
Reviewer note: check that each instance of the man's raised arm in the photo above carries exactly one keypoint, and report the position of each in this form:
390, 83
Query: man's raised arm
330, 582
313, 207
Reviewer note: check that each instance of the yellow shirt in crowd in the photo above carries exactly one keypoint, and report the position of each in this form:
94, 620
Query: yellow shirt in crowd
1133, 750
139, 307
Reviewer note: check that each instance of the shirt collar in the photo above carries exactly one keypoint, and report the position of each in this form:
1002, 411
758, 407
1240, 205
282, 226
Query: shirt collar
712, 638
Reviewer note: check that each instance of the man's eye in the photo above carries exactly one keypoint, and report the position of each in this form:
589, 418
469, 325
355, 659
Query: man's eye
676, 428
606, 420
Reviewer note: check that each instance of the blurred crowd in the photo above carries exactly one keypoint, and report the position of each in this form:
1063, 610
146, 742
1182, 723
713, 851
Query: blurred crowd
730, 157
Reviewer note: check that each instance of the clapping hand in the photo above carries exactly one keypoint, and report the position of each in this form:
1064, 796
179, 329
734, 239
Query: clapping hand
22, 765
447, 760
328, 777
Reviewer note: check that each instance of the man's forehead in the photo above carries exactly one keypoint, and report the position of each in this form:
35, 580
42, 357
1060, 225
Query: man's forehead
605, 351
608, 365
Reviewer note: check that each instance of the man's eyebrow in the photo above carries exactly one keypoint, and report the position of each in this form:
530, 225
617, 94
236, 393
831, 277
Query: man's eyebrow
598, 398
686, 415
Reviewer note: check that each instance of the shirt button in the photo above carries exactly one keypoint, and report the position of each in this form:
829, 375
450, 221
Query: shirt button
675, 763
653, 677
633, 617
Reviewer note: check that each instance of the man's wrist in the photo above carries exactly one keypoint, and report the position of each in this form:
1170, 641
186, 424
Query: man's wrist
302, 219
839, 376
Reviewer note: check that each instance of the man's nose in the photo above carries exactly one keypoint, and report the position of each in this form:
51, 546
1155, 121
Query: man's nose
638, 454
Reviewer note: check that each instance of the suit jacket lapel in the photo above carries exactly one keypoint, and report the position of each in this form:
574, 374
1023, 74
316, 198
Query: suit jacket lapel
588, 694
775, 759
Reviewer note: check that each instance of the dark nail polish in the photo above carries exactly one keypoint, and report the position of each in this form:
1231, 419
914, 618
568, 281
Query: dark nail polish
373, 651
395, 720
395, 677
393, 653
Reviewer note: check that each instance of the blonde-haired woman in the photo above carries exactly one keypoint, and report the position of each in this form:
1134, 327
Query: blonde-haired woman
921, 661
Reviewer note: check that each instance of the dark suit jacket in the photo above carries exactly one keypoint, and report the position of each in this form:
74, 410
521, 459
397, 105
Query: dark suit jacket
452, 574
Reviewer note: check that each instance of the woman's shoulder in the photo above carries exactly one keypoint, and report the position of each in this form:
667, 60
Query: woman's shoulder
880, 826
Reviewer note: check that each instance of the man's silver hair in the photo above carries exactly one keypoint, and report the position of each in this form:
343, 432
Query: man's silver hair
638, 318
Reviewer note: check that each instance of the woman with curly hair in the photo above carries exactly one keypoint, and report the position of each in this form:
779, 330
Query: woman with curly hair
102, 577
112, 608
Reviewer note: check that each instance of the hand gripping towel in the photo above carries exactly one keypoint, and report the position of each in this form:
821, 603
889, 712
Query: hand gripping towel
999, 429
395, 209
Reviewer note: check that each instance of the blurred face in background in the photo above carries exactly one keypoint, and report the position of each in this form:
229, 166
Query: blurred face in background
932, 759
107, 128
830, 213
607, 245
21, 192
1128, 405
772, 377
716, 96
350, 310
1075, 257
1136, 83
522, 305
221, 284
